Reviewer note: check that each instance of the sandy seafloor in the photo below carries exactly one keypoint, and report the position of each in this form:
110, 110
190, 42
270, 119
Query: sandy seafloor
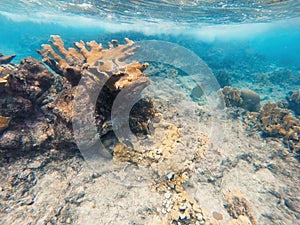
59, 187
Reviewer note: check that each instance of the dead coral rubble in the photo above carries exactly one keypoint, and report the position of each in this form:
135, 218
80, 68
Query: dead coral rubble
237, 205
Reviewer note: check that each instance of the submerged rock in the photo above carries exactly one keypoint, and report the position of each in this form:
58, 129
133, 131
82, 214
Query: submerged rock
245, 98
293, 99
251, 100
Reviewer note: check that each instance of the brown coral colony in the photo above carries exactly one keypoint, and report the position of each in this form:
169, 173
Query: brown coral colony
29, 90
73, 62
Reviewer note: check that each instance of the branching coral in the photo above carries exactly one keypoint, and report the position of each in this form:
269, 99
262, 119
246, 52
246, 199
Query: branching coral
71, 63
279, 122
99, 67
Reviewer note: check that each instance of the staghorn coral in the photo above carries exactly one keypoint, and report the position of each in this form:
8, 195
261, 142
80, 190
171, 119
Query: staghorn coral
245, 98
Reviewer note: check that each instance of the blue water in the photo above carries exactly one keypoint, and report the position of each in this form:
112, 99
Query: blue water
244, 39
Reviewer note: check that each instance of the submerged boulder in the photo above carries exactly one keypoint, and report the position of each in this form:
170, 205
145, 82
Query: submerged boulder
245, 98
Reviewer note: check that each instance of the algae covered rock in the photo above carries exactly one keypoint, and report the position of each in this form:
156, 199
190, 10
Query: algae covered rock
30, 90
245, 98
251, 100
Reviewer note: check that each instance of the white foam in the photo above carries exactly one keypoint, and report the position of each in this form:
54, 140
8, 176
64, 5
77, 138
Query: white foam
203, 32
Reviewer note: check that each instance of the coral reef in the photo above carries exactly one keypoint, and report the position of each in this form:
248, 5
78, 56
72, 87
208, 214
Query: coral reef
34, 98
73, 63
36, 114
293, 99
283, 77
20, 109
245, 98
105, 67
276, 122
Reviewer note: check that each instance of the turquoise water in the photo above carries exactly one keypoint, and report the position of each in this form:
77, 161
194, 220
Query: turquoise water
257, 44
